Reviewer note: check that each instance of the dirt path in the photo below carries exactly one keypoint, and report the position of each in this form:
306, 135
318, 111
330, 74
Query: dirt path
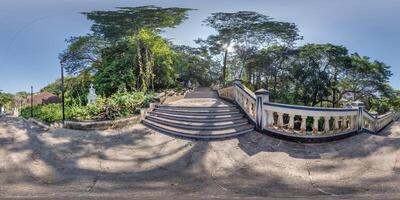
138, 163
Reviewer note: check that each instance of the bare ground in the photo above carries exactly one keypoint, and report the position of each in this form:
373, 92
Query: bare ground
138, 163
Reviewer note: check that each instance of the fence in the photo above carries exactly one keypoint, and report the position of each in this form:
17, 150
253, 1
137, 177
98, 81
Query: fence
292, 120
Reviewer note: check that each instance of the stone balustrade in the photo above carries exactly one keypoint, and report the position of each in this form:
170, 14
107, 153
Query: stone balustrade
227, 93
293, 119
303, 121
246, 99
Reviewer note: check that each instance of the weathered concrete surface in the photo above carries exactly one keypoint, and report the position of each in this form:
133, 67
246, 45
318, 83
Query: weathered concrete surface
138, 163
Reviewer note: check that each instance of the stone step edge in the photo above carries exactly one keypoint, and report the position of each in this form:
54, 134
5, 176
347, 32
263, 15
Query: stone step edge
197, 113
192, 119
201, 123
204, 110
198, 127
203, 137
196, 107
201, 132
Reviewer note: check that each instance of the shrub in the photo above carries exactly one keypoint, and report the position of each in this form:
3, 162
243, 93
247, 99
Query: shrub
117, 106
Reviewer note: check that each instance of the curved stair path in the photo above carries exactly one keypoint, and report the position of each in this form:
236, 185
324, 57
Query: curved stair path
200, 115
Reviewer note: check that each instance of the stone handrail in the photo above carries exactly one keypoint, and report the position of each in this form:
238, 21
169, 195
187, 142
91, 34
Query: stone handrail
292, 120
246, 99
376, 124
227, 93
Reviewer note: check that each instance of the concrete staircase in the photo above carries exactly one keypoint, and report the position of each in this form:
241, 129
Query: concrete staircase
201, 115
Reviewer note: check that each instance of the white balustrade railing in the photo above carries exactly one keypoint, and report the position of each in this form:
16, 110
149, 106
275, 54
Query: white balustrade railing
227, 93
293, 119
382, 121
246, 99
303, 120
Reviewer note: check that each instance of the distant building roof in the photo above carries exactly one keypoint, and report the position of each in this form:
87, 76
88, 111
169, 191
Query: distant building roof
43, 98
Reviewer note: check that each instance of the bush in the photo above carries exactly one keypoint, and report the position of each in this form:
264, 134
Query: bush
117, 106
47, 113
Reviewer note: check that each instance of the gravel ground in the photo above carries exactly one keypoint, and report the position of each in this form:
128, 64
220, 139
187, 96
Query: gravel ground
137, 163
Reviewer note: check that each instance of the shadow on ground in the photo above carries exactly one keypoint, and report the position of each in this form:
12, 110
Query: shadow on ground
139, 162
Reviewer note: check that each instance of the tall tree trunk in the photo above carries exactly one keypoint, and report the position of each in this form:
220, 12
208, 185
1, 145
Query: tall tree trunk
334, 89
224, 65
140, 64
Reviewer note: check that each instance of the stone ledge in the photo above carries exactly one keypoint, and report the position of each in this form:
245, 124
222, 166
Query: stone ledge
109, 124
39, 123
102, 125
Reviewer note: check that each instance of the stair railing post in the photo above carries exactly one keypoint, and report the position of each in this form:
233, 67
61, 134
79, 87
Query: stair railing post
360, 107
237, 83
262, 96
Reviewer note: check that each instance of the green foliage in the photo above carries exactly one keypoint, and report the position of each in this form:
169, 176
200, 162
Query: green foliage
116, 70
81, 53
129, 20
5, 99
194, 65
117, 106
47, 113
139, 62
247, 32
76, 87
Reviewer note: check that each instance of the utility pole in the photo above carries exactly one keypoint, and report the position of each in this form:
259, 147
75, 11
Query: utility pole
62, 93
31, 101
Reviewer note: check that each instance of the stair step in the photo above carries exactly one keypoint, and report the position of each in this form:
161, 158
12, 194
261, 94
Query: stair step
200, 119
203, 110
198, 126
219, 134
191, 113
222, 107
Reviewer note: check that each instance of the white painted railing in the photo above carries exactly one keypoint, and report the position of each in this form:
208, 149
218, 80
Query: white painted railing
227, 93
376, 124
293, 119
246, 99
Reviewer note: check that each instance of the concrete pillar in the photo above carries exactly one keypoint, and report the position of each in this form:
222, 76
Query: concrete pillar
291, 121
262, 96
326, 124
237, 83
315, 125
303, 126
360, 107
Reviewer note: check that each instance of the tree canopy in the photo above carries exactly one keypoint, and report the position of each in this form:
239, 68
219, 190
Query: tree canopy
126, 52
247, 31
129, 20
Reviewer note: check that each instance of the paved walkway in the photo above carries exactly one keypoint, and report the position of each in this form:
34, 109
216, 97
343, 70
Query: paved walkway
137, 163
201, 97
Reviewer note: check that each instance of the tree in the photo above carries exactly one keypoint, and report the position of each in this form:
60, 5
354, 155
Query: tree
125, 50
5, 99
81, 53
139, 62
366, 79
113, 25
195, 65
76, 88
247, 31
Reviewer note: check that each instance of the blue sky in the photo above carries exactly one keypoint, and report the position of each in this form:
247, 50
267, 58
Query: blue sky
33, 32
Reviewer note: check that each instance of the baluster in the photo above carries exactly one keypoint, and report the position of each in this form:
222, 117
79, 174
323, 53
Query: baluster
280, 120
270, 122
247, 105
326, 124
254, 110
291, 122
337, 119
315, 125
353, 122
303, 124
